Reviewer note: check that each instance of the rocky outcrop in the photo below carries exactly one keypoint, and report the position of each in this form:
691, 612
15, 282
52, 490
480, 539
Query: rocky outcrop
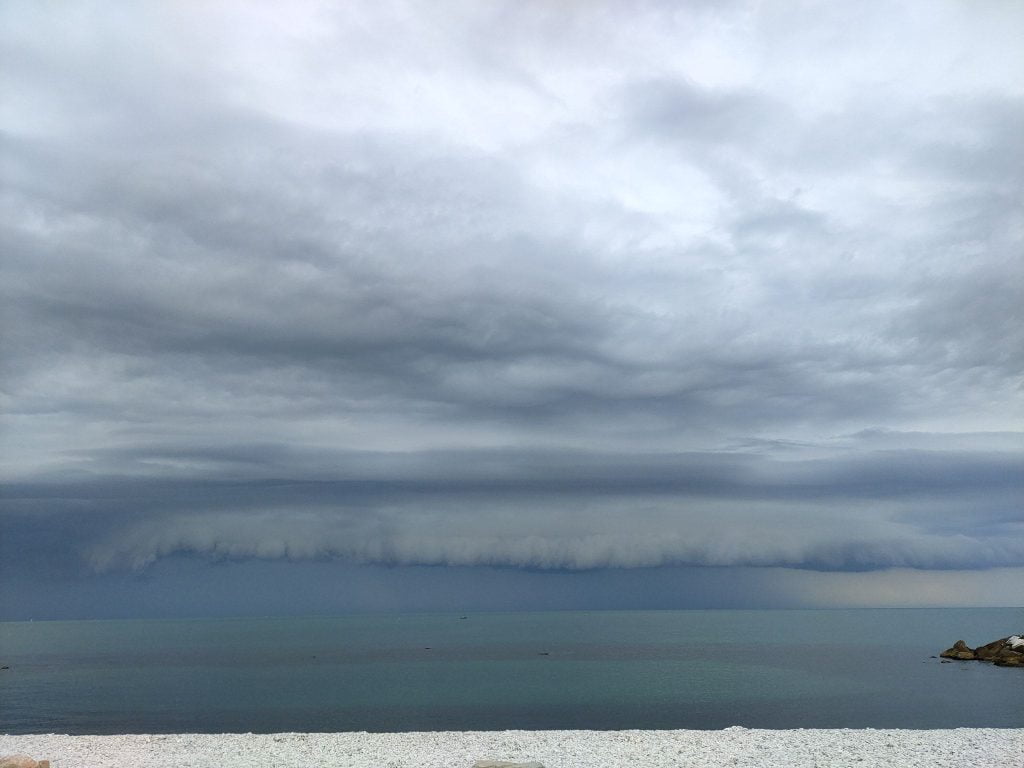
22, 761
959, 651
1007, 652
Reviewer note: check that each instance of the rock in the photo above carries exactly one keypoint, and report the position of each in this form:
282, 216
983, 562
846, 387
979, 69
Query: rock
958, 651
990, 651
22, 761
1006, 652
503, 764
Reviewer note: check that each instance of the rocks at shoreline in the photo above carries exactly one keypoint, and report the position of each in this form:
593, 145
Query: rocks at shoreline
1007, 652
22, 761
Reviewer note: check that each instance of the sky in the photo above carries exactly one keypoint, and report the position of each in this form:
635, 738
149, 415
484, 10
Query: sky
319, 307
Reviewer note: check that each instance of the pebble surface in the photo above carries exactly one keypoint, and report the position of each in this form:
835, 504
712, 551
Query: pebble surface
991, 747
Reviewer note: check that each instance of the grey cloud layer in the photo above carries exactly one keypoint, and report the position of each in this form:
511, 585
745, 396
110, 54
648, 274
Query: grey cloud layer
520, 285
549, 509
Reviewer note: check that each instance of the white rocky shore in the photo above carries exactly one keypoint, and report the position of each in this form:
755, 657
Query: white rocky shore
960, 747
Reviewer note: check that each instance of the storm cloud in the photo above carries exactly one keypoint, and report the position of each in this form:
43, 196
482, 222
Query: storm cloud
528, 286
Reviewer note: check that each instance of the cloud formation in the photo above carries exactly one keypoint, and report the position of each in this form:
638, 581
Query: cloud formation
846, 509
520, 285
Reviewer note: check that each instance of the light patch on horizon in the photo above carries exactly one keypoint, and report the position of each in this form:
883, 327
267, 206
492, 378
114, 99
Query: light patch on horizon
902, 588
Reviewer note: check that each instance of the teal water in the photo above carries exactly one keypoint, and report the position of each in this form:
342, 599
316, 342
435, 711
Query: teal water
656, 669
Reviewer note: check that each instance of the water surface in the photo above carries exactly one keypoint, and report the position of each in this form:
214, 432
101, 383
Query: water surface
604, 670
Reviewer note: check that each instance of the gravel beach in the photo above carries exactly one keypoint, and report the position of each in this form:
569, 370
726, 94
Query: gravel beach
555, 749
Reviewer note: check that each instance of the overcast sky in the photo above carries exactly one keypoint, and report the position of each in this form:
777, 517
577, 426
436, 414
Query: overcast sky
314, 307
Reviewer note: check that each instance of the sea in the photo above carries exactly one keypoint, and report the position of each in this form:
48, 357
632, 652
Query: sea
495, 671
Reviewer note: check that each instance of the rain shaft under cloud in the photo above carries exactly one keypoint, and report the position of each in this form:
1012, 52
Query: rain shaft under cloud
512, 286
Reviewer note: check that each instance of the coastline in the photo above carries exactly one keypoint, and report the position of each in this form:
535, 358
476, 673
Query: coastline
555, 749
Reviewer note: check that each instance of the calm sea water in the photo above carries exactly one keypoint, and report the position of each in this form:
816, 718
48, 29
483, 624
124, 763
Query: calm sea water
658, 669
